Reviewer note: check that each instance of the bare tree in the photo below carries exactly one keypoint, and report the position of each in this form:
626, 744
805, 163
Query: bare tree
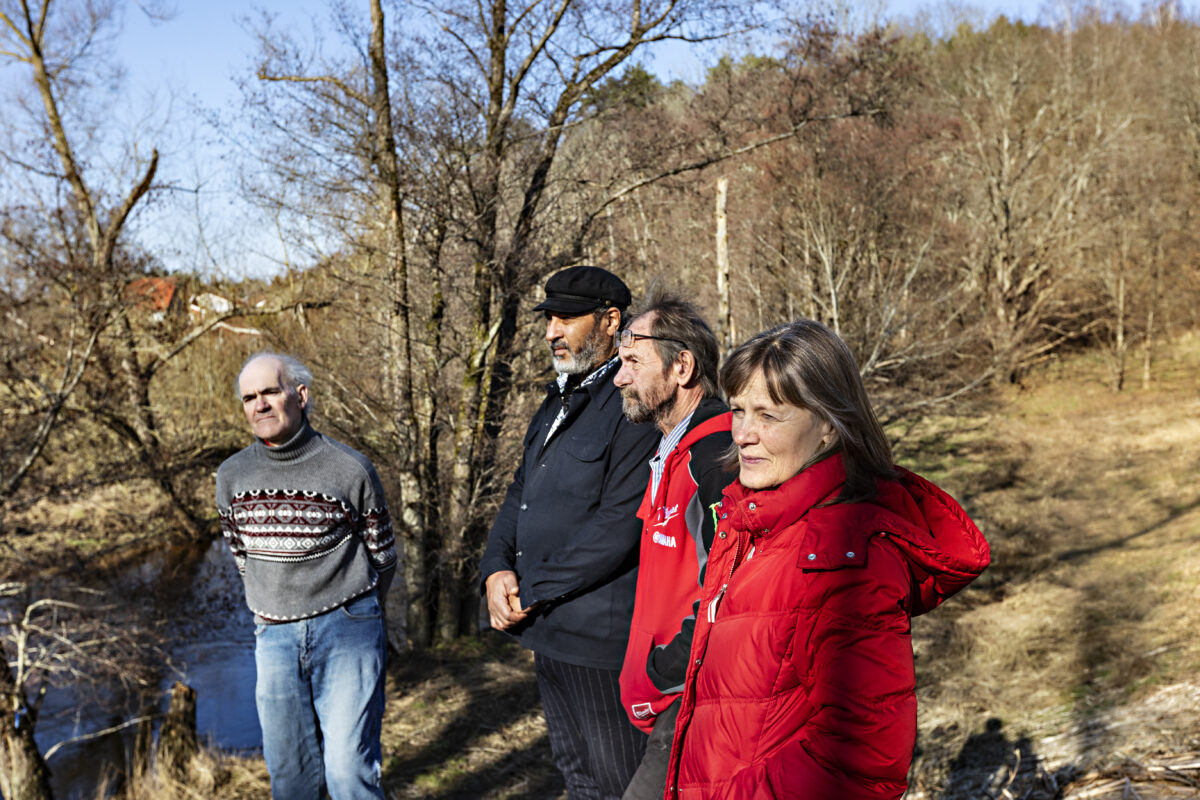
76, 338
50, 47
55, 42
486, 100
1031, 136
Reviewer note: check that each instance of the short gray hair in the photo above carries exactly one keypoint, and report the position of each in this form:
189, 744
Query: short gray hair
294, 372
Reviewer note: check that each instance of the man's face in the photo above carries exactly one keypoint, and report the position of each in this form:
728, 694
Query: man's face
578, 343
647, 392
275, 411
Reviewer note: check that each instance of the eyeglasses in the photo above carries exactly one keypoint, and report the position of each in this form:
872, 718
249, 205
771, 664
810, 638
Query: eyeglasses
626, 338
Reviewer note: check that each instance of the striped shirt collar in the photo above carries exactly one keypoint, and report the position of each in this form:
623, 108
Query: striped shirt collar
668, 443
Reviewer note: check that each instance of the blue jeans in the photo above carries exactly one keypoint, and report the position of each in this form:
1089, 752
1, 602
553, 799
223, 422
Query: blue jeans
320, 702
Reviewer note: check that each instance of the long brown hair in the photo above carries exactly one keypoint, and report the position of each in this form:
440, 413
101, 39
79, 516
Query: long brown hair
807, 365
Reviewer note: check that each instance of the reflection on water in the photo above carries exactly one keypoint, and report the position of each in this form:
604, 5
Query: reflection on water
212, 650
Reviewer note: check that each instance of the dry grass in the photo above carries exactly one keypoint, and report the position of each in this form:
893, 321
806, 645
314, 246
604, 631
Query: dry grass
212, 776
466, 722
106, 528
1080, 642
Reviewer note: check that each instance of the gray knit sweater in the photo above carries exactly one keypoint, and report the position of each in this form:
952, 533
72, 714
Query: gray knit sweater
307, 523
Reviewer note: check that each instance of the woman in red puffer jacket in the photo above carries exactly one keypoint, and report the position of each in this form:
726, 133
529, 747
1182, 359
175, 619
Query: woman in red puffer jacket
801, 682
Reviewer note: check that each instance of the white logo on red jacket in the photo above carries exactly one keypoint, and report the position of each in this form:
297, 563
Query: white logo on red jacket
665, 515
663, 539
642, 710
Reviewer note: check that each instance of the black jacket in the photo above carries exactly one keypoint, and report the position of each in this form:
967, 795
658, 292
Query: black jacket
568, 525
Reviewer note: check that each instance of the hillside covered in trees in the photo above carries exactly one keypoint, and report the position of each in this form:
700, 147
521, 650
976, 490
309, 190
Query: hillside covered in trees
967, 205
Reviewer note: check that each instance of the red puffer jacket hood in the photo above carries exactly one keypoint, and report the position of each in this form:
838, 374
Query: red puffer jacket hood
801, 682
944, 548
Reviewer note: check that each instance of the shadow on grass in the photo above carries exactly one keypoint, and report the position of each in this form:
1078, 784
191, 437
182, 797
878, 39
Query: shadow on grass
520, 774
992, 765
1173, 513
963, 458
459, 761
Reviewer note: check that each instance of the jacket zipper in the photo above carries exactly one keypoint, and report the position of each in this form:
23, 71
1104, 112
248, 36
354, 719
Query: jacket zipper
716, 601
712, 612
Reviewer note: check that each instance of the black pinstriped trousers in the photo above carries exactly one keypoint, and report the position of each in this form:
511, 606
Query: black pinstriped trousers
593, 743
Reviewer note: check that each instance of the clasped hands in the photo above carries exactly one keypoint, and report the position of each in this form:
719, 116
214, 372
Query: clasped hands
503, 599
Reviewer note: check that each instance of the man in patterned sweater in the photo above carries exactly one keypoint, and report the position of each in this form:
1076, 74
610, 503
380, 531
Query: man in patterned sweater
308, 525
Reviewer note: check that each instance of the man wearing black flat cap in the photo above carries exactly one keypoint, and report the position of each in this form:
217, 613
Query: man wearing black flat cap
560, 567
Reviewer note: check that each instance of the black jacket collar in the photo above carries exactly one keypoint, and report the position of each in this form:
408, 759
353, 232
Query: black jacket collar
708, 408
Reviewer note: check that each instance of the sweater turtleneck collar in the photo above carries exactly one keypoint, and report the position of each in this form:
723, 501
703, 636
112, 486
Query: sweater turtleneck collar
301, 445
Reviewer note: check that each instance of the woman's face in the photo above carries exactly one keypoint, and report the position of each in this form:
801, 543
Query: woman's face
774, 440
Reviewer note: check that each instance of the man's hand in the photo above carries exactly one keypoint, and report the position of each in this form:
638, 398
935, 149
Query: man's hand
503, 600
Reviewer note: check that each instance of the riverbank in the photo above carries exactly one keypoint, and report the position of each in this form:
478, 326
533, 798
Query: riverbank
462, 722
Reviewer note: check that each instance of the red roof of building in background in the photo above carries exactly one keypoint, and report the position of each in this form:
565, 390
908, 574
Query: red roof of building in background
151, 294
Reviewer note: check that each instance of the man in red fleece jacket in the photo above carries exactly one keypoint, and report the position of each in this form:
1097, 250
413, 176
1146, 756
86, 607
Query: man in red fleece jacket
669, 376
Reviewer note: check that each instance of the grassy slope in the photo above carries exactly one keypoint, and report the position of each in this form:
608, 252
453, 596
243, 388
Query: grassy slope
1078, 645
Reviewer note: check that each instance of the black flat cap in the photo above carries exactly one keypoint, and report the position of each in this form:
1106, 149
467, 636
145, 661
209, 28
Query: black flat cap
577, 290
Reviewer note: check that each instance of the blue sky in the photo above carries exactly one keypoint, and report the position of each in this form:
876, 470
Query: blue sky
205, 44
196, 56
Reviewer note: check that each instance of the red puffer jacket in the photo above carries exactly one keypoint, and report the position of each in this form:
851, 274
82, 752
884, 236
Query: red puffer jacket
802, 683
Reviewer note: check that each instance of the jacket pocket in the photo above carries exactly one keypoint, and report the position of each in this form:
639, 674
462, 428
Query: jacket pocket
577, 472
585, 448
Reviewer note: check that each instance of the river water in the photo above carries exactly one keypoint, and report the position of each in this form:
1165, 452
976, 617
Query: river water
211, 645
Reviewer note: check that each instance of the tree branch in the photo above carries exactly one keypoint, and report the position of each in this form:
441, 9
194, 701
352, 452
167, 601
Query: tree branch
717, 158
263, 75
89, 736
83, 196
24, 40
118, 219
42, 436
194, 334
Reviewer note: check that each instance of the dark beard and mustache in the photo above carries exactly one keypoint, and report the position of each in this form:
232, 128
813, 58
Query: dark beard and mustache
637, 411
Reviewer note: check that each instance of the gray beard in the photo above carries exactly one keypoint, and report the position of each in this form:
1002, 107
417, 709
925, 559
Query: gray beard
584, 361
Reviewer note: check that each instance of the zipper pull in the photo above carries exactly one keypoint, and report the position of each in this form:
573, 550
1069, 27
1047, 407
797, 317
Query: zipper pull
716, 601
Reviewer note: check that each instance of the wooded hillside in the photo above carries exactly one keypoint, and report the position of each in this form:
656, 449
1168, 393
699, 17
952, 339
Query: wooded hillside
959, 207
960, 204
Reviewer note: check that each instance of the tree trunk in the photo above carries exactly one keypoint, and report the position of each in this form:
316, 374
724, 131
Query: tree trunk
725, 332
23, 772
142, 423
400, 346
1120, 344
1155, 296
177, 741
425, 577
142, 743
